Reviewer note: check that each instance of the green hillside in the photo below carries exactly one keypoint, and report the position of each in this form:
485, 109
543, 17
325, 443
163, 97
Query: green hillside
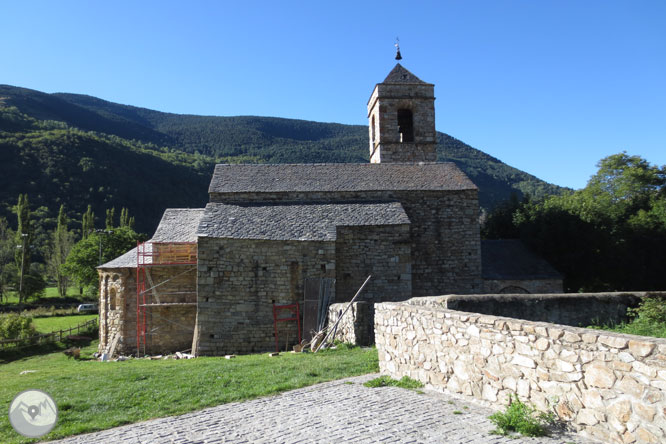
55, 165
80, 150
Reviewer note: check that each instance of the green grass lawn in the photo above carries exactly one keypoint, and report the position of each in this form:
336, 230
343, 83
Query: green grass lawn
53, 323
49, 293
93, 395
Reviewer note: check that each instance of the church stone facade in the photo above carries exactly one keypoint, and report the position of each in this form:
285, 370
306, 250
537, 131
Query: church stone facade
268, 228
408, 221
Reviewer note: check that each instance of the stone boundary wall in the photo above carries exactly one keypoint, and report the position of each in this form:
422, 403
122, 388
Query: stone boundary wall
575, 309
356, 326
608, 386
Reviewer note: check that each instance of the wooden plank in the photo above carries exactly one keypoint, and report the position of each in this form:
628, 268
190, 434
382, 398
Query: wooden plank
114, 344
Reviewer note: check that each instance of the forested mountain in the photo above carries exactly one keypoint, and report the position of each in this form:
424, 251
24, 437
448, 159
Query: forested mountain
80, 150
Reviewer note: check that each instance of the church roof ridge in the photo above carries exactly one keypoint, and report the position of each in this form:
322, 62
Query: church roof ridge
338, 177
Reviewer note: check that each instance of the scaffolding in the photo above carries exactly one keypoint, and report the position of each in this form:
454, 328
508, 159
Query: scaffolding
161, 254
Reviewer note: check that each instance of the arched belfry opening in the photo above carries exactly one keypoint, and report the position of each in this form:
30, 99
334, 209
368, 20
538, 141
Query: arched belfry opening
372, 130
401, 114
406, 125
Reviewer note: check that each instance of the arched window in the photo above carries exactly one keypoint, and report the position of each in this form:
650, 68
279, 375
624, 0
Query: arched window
513, 289
372, 127
406, 125
112, 299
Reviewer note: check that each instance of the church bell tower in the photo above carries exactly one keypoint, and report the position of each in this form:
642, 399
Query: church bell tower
401, 111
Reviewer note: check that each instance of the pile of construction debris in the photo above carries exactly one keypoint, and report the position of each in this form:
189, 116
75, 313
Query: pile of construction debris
104, 357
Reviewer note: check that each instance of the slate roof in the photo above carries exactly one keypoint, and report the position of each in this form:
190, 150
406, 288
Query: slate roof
295, 221
177, 225
325, 177
401, 75
127, 260
511, 259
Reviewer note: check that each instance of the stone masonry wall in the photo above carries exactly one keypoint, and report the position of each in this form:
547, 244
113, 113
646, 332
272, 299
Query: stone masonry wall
404, 153
380, 251
605, 385
446, 244
117, 308
240, 279
357, 324
444, 232
170, 327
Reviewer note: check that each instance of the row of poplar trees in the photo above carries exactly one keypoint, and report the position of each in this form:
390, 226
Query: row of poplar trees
28, 278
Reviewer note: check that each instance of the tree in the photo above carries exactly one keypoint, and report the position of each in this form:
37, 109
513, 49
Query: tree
499, 223
622, 177
7, 266
109, 218
125, 219
84, 256
87, 222
23, 242
62, 242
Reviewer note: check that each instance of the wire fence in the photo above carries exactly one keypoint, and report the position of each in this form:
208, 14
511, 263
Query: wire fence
46, 337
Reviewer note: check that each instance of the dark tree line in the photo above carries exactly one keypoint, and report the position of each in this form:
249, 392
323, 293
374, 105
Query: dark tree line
608, 236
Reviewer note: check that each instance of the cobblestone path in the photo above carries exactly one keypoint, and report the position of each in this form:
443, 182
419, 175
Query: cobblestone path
334, 412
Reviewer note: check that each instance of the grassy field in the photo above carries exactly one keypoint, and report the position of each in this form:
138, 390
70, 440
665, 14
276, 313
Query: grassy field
53, 323
637, 328
95, 395
49, 293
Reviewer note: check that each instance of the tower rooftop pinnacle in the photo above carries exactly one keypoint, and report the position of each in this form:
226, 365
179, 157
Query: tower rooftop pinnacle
401, 75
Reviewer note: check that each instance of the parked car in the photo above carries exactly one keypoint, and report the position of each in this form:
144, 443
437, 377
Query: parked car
87, 308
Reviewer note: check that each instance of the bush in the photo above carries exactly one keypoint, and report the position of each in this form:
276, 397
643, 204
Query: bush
651, 310
648, 319
13, 326
521, 418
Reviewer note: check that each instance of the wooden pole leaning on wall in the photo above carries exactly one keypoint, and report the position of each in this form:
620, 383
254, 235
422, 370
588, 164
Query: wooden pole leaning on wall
333, 328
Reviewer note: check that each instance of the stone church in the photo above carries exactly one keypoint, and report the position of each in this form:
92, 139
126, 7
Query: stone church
209, 278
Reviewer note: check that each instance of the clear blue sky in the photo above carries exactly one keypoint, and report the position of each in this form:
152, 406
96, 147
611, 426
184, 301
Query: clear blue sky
549, 87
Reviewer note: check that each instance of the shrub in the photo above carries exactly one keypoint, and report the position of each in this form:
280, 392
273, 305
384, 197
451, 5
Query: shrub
13, 326
650, 310
522, 418
648, 319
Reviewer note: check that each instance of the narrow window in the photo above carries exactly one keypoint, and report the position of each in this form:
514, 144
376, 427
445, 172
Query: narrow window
112, 299
406, 125
372, 128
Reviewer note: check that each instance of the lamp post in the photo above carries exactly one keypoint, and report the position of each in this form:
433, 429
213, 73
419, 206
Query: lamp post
100, 232
23, 246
